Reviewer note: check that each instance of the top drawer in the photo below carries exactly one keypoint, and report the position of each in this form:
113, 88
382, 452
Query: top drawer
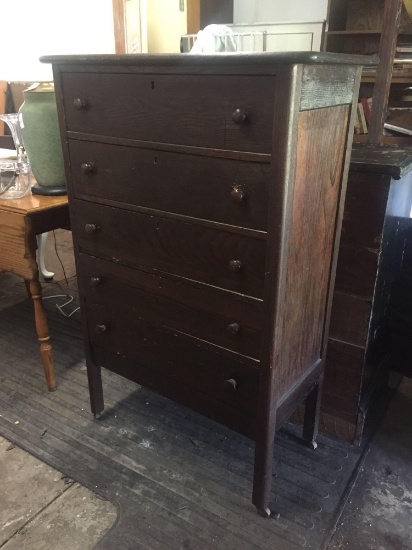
201, 111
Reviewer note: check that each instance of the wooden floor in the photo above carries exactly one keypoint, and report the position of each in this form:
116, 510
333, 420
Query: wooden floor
179, 481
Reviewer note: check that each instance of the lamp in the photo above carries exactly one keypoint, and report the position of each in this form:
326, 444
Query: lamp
41, 139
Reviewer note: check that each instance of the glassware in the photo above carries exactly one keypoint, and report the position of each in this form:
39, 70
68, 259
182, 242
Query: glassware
14, 179
15, 175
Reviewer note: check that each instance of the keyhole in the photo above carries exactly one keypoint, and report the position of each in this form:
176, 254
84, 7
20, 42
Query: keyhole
155, 160
152, 84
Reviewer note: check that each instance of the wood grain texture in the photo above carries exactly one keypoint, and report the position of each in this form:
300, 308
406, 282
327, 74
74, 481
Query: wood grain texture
193, 311
17, 246
195, 186
42, 329
365, 15
170, 286
142, 108
315, 200
19, 225
391, 17
186, 250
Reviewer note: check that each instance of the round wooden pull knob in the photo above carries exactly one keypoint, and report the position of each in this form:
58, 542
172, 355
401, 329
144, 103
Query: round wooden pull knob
90, 227
233, 328
239, 116
238, 194
230, 385
79, 103
101, 328
87, 168
95, 281
235, 265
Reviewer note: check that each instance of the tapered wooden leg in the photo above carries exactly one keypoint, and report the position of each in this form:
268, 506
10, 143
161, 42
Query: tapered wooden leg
312, 411
262, 479
94, 376
34, 290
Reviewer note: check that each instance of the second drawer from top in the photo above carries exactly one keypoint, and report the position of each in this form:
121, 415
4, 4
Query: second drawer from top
227, 191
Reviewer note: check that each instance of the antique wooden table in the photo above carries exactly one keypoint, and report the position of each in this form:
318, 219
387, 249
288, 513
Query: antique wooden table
20, 221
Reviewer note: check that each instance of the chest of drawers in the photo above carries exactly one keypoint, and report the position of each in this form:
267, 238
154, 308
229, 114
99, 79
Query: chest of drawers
206, 197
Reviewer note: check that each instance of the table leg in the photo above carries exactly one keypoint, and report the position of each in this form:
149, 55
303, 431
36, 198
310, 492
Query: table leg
34, 290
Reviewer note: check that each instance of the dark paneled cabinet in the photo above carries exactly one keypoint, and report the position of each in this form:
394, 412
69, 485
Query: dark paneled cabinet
363, 340
206, 198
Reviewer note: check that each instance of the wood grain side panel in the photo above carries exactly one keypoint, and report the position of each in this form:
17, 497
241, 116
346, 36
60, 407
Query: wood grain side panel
320, 154
15, 245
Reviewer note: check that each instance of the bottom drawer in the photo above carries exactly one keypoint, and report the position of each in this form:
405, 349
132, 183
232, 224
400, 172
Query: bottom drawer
215, 385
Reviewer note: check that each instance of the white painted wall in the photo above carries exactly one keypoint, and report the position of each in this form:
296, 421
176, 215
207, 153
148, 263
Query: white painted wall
31, 28
165, 25
268, 11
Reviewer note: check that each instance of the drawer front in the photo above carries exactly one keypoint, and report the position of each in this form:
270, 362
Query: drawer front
222, 190
178, 358
222, 112
232, 324
215, 257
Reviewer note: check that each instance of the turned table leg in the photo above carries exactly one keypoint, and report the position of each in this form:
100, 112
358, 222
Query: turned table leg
34, 290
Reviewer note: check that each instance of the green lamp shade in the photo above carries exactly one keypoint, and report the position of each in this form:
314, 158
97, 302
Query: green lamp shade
41, 138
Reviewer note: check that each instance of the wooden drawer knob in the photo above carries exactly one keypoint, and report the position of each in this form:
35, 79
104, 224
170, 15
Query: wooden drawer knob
100, 328
239, 116
90, 228
95, 281
235, 265
87, 168
233, 328
238, 194
230, 385
79, 103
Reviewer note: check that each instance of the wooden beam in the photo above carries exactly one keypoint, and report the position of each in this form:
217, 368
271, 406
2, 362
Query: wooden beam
3, 95
119, 26
193, 16
390, 23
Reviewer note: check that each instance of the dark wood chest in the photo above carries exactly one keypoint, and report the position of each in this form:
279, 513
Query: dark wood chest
206, 200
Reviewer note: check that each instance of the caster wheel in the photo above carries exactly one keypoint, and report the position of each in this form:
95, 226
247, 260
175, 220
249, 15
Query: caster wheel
267, 513
312, 445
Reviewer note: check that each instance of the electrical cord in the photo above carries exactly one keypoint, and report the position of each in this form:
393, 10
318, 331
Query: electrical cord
57, 254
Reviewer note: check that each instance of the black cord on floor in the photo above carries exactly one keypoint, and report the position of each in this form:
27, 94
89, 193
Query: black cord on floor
57, 254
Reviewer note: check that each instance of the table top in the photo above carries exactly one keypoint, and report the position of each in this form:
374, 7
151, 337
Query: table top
393, 160
31, 204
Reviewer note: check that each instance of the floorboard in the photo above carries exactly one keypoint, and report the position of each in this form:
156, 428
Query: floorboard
179, 480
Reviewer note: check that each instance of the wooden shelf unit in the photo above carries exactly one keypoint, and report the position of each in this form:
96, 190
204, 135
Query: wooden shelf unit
372, 27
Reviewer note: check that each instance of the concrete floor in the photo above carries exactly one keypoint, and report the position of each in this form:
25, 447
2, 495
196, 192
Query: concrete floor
42, 510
